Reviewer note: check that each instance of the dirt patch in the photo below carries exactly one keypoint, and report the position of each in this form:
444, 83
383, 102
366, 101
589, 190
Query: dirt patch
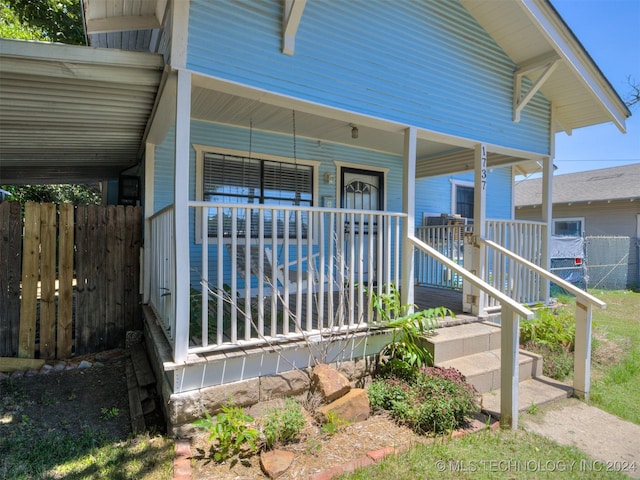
69, 401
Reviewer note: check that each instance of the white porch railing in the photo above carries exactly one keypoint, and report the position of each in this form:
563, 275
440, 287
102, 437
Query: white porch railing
261, 274
162, 268
523, 238
449, 241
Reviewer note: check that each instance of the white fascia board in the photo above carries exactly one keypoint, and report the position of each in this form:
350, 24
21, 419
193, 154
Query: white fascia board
576, 58
122, 24
45, 51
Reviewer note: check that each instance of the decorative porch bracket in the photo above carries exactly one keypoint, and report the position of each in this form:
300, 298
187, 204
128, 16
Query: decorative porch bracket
520, 100
290, 21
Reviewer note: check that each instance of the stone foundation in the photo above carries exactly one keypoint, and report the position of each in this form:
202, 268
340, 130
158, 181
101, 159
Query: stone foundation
184, 407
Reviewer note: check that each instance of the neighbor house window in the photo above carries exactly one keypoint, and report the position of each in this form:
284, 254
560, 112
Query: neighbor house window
249, 181
572, 227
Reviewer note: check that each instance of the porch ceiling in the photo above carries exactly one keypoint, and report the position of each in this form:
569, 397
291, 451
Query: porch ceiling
214, 101
72, 113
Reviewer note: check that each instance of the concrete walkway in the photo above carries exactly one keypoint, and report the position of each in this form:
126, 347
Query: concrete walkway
604, 437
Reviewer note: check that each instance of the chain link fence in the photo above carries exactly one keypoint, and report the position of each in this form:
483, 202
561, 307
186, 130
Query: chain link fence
607, 262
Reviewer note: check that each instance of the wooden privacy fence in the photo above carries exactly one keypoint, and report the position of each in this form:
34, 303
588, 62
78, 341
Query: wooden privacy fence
69, 278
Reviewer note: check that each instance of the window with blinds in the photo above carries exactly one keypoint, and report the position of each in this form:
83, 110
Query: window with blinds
249, 181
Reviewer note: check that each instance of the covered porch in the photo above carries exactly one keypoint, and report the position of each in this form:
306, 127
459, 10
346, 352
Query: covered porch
230, 284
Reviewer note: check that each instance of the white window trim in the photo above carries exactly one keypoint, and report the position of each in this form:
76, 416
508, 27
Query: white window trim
385, 172
454, 185
568, 219
202, 149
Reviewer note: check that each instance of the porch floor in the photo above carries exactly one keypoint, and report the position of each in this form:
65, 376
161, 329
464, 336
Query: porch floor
432, 297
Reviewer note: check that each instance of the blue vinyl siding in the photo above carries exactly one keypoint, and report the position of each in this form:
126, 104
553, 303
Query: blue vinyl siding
422, 63
433, 194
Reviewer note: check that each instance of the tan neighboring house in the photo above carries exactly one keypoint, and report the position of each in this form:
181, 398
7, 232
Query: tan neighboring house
601, 205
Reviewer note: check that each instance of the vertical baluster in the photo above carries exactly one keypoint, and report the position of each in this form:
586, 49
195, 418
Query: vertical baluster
220, 280
285, 280
205, 275
274, 262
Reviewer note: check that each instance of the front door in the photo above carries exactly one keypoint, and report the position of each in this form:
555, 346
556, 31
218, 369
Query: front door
361, 190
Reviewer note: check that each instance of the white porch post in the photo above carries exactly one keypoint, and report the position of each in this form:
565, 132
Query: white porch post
582, 351
509, 369
181, 211
547, 217
479, 225
149, 186
409, 207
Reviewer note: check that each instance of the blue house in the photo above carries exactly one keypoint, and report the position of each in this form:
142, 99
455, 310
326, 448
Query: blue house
294, 151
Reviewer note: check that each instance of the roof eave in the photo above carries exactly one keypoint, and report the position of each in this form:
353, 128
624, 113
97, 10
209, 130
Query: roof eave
566, 44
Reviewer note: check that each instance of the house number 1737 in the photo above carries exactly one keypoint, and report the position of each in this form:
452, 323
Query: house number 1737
483, 162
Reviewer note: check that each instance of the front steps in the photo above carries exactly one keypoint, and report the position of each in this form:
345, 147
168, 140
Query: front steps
474, 350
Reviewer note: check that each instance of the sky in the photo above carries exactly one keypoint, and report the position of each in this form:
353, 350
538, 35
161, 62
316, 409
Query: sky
610, 32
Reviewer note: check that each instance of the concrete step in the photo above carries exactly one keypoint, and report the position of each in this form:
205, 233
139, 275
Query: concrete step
483, 369
462, 340
534, 391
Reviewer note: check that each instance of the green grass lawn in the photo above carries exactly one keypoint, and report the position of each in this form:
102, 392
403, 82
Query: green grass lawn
616, 380
487, 455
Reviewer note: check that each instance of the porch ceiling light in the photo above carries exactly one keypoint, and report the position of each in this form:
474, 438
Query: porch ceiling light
354, 130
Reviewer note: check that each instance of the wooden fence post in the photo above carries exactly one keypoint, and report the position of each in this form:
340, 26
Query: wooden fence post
47, 280
10, 277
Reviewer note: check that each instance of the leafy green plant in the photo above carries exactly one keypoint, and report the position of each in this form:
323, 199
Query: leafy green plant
555, 328
333, 423
230, 430
434, 400
551, 334
406, 350
109, 413
281, 425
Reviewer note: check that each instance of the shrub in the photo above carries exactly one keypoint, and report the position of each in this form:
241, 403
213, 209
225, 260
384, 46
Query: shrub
434, 400
551, 334
230, 430
554, 328
282, 425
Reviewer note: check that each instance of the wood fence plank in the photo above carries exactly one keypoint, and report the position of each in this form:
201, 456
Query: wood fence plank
137, 267
92, 279
28, 307
47, 280
100, 319
65, 282
132, 268
113, 321
10, 276
14, 364
120, 249
82, 293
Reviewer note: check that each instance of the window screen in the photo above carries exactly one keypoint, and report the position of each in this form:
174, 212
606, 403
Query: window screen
246, 181
464, 201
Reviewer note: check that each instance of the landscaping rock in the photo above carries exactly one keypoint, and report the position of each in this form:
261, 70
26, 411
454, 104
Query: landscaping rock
329, 383
353, 407
275, 462
84, 364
